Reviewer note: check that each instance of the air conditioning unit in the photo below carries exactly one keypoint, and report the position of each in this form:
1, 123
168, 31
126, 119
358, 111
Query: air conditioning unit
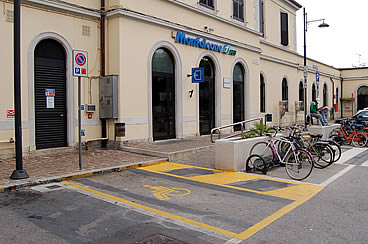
91, 108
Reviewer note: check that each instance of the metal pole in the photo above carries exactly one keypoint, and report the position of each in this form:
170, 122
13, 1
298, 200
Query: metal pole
18, 173
79, 123
305, 70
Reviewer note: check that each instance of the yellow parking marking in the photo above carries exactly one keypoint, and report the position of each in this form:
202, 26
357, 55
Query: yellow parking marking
160, 212
162, 192
298, 192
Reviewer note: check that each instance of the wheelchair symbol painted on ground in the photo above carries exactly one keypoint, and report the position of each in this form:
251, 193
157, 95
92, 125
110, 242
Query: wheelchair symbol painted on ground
163, 193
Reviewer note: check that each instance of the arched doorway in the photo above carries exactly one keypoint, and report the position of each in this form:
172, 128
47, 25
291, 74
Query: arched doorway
207, 97
50, 95
163, 95
325, 95
362, 97
314, 95
238, 94
301, 91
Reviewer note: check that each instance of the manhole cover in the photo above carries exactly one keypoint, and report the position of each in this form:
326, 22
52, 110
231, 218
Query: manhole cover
159, 239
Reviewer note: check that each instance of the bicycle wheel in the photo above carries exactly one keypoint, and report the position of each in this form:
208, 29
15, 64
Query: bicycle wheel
340, 139
256, 163
264, 150
323, 155
359, 139
299, 164
336, 149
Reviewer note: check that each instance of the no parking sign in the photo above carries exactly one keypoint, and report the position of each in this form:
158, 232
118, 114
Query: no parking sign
80, 61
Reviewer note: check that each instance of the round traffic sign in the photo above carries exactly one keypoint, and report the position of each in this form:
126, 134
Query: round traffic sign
80, 59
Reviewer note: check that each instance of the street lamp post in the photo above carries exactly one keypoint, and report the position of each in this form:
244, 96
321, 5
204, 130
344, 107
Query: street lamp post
306, 22
19, 173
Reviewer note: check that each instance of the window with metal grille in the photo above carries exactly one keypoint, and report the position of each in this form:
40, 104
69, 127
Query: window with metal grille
284, 29
86, 30
207, 3
238, 10
10, 16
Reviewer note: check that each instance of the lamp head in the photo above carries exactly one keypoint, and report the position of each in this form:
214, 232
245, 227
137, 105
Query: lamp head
324, 24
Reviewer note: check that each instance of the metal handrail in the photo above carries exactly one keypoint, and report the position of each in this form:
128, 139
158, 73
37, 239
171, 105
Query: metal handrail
242, 125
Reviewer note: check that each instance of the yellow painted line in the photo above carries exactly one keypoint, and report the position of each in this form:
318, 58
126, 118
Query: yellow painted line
163, 213
299, 192
268, 220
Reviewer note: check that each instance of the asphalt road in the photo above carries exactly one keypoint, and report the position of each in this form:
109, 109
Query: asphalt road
178, 203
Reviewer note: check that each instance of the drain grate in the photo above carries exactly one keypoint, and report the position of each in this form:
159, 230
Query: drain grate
52, 186
159, 239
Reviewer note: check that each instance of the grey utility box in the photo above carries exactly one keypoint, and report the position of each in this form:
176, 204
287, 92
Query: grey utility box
109, 97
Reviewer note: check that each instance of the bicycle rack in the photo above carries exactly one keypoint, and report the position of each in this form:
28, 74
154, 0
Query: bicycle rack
242, 130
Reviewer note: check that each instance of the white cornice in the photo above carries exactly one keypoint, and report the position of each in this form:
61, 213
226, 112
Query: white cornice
296, 65
63, 7
263, 41
280, 61
355, 78
198, 10
174, 26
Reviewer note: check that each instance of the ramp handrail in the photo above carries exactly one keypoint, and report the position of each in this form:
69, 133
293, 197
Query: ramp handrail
242, 125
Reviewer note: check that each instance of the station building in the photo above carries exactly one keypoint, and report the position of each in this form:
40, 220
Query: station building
140, 59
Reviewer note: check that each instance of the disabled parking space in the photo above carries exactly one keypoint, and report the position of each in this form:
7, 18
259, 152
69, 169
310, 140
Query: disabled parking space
232, 204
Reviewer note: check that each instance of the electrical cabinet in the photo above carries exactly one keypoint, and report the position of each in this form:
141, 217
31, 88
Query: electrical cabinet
109, 97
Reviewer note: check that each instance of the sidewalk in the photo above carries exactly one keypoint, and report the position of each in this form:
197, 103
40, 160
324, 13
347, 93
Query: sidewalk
46, 169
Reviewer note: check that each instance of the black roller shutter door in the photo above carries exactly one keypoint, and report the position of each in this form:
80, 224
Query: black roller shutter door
51, 130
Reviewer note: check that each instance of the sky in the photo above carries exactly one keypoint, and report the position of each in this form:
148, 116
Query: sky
342, 45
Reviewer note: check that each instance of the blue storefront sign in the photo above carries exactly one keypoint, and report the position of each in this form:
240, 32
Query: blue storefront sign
199, 42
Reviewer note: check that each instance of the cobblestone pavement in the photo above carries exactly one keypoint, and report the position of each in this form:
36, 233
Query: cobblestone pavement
66, 163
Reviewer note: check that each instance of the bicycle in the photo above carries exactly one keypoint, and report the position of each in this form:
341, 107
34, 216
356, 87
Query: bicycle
336, 148
357, 137
322, 151
298, 162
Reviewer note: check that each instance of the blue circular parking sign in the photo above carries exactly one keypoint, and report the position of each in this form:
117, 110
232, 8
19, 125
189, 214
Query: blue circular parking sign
80, 59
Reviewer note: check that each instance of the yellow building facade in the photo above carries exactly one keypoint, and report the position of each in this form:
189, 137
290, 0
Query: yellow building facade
247, 50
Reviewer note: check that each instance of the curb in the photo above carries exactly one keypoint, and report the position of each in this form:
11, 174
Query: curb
83, 174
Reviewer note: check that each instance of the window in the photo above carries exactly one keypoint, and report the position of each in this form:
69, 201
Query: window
301, 91
262, 94
238, 10
284, 29
284, 90
284, 95
261, 16
207, 3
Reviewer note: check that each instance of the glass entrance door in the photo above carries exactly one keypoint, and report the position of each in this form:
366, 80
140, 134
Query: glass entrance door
163, 96
207, 97
238, 95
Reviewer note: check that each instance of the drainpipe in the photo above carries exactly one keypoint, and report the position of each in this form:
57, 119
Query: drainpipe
333, 92
342, 109
102, 50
